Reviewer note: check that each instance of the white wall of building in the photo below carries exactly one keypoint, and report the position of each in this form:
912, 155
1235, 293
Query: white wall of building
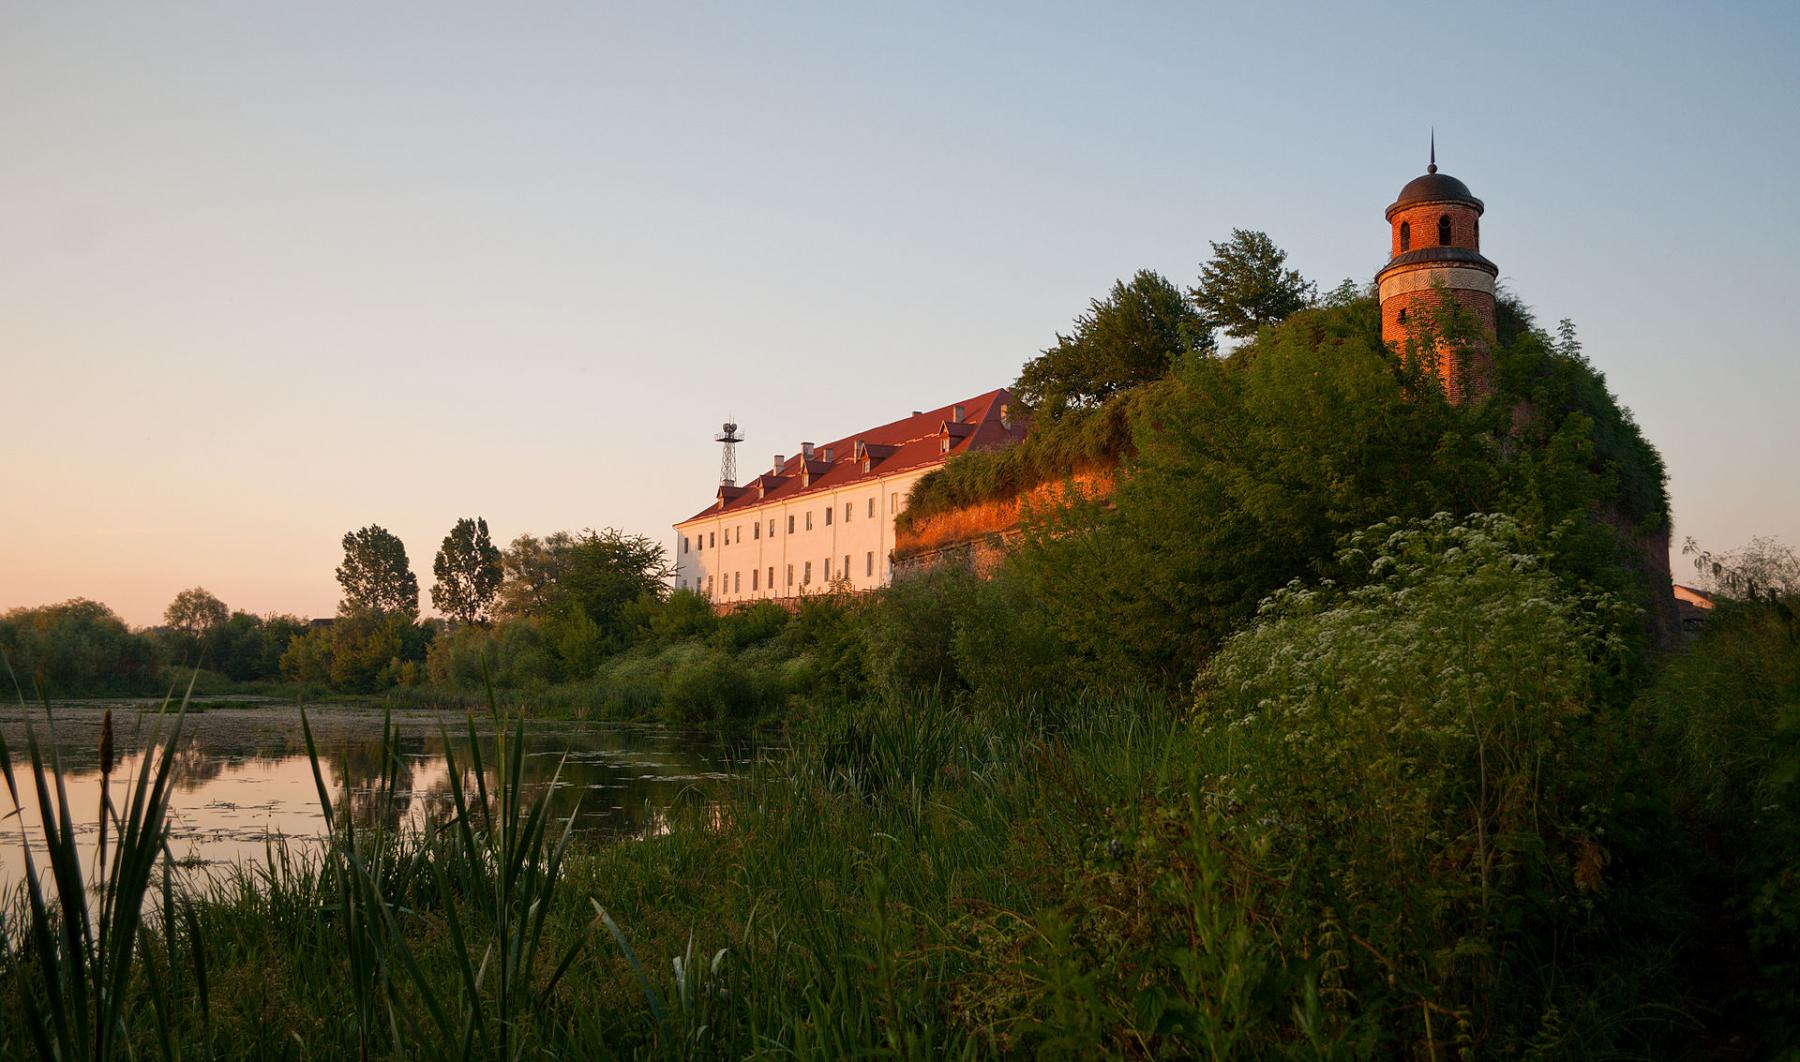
733, 556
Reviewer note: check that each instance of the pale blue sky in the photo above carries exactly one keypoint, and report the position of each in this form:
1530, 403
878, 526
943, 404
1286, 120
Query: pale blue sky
267, 275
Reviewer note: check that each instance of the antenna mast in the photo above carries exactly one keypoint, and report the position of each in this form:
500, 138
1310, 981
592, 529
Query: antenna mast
728, 463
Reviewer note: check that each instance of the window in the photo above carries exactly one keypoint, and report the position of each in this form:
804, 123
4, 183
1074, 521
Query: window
709, 586
846, 565
737, 583
809, 519
806, 575
894, 503
728, 536
753, 574
1478, 233
1402, 315
713, 538
828, 509
684, 543
828, 569
871, 508
771, 527
790, 575
756, 530
1406, 235
771, 577
1443, 230
870, 565
790, 523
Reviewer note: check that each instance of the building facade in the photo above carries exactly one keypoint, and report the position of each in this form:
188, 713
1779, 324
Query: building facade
823, 519
1435, 263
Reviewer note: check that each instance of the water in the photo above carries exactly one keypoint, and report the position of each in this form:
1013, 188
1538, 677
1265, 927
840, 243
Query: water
242, 776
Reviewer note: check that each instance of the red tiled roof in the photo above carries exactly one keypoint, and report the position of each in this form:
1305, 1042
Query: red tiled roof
901, 446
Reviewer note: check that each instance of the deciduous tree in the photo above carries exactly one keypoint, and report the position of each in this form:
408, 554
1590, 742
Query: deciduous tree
376, 574
196, 620
1244, 286
1130, 337
468, 572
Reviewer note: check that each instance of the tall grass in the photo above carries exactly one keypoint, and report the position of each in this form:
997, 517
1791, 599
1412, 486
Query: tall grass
493, 870
74, 968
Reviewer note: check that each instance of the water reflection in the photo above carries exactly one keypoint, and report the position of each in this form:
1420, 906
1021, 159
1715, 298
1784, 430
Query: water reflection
242, 776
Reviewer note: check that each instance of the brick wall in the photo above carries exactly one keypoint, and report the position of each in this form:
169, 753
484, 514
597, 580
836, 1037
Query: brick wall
1422, 307
1464, 226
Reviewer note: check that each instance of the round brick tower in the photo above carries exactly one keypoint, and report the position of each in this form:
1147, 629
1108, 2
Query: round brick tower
1437, 259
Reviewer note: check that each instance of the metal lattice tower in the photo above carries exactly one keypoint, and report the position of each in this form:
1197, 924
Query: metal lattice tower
728, 463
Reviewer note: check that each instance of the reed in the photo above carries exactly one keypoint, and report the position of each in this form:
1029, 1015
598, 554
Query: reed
74, 968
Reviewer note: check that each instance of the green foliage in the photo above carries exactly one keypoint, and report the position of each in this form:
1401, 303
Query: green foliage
79, 965
1131, 337
1244, 287
1727, 719
1426, 745
375, 575
78, 647
1248, 472
1079, 440
192, 618
685, 614
360, 652
532, 569
468, 572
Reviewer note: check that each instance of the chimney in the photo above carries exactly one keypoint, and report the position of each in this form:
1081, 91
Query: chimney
956, 413
780, 459
806, 451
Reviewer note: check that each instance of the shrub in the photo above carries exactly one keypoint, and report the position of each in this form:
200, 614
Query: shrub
78, 647
1417, 742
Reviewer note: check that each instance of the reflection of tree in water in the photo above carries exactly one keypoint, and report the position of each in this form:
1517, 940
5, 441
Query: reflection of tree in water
357, 778
612, 789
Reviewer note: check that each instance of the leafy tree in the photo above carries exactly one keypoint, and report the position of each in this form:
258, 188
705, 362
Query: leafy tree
77, 647
195, 616
533, 570
468, 572
1244, 286
1249, 471
605, 573
1130, 337
376, 574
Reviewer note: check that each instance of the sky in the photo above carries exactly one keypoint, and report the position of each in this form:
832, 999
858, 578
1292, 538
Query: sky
269, 273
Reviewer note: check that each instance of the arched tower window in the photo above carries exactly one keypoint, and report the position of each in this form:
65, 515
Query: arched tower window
1406, 235
1402, 315
1443, 230
1478, 234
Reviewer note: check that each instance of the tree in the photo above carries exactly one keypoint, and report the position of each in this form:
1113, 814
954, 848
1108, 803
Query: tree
195, 616
1130, 337
79, 647
1244, 286
533, 570
376, 574
468, 572
608, 572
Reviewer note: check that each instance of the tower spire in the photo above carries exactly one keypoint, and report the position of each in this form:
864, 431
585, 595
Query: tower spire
1433, 167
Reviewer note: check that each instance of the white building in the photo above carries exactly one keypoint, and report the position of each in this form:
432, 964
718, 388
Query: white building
824, 518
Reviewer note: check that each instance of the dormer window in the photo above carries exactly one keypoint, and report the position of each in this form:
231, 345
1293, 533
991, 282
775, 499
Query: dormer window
1405, 236
1443, 230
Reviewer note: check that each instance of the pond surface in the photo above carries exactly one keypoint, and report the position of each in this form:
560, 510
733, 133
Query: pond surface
242, 776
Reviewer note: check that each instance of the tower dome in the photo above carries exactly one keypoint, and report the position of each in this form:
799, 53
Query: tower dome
1434, 270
